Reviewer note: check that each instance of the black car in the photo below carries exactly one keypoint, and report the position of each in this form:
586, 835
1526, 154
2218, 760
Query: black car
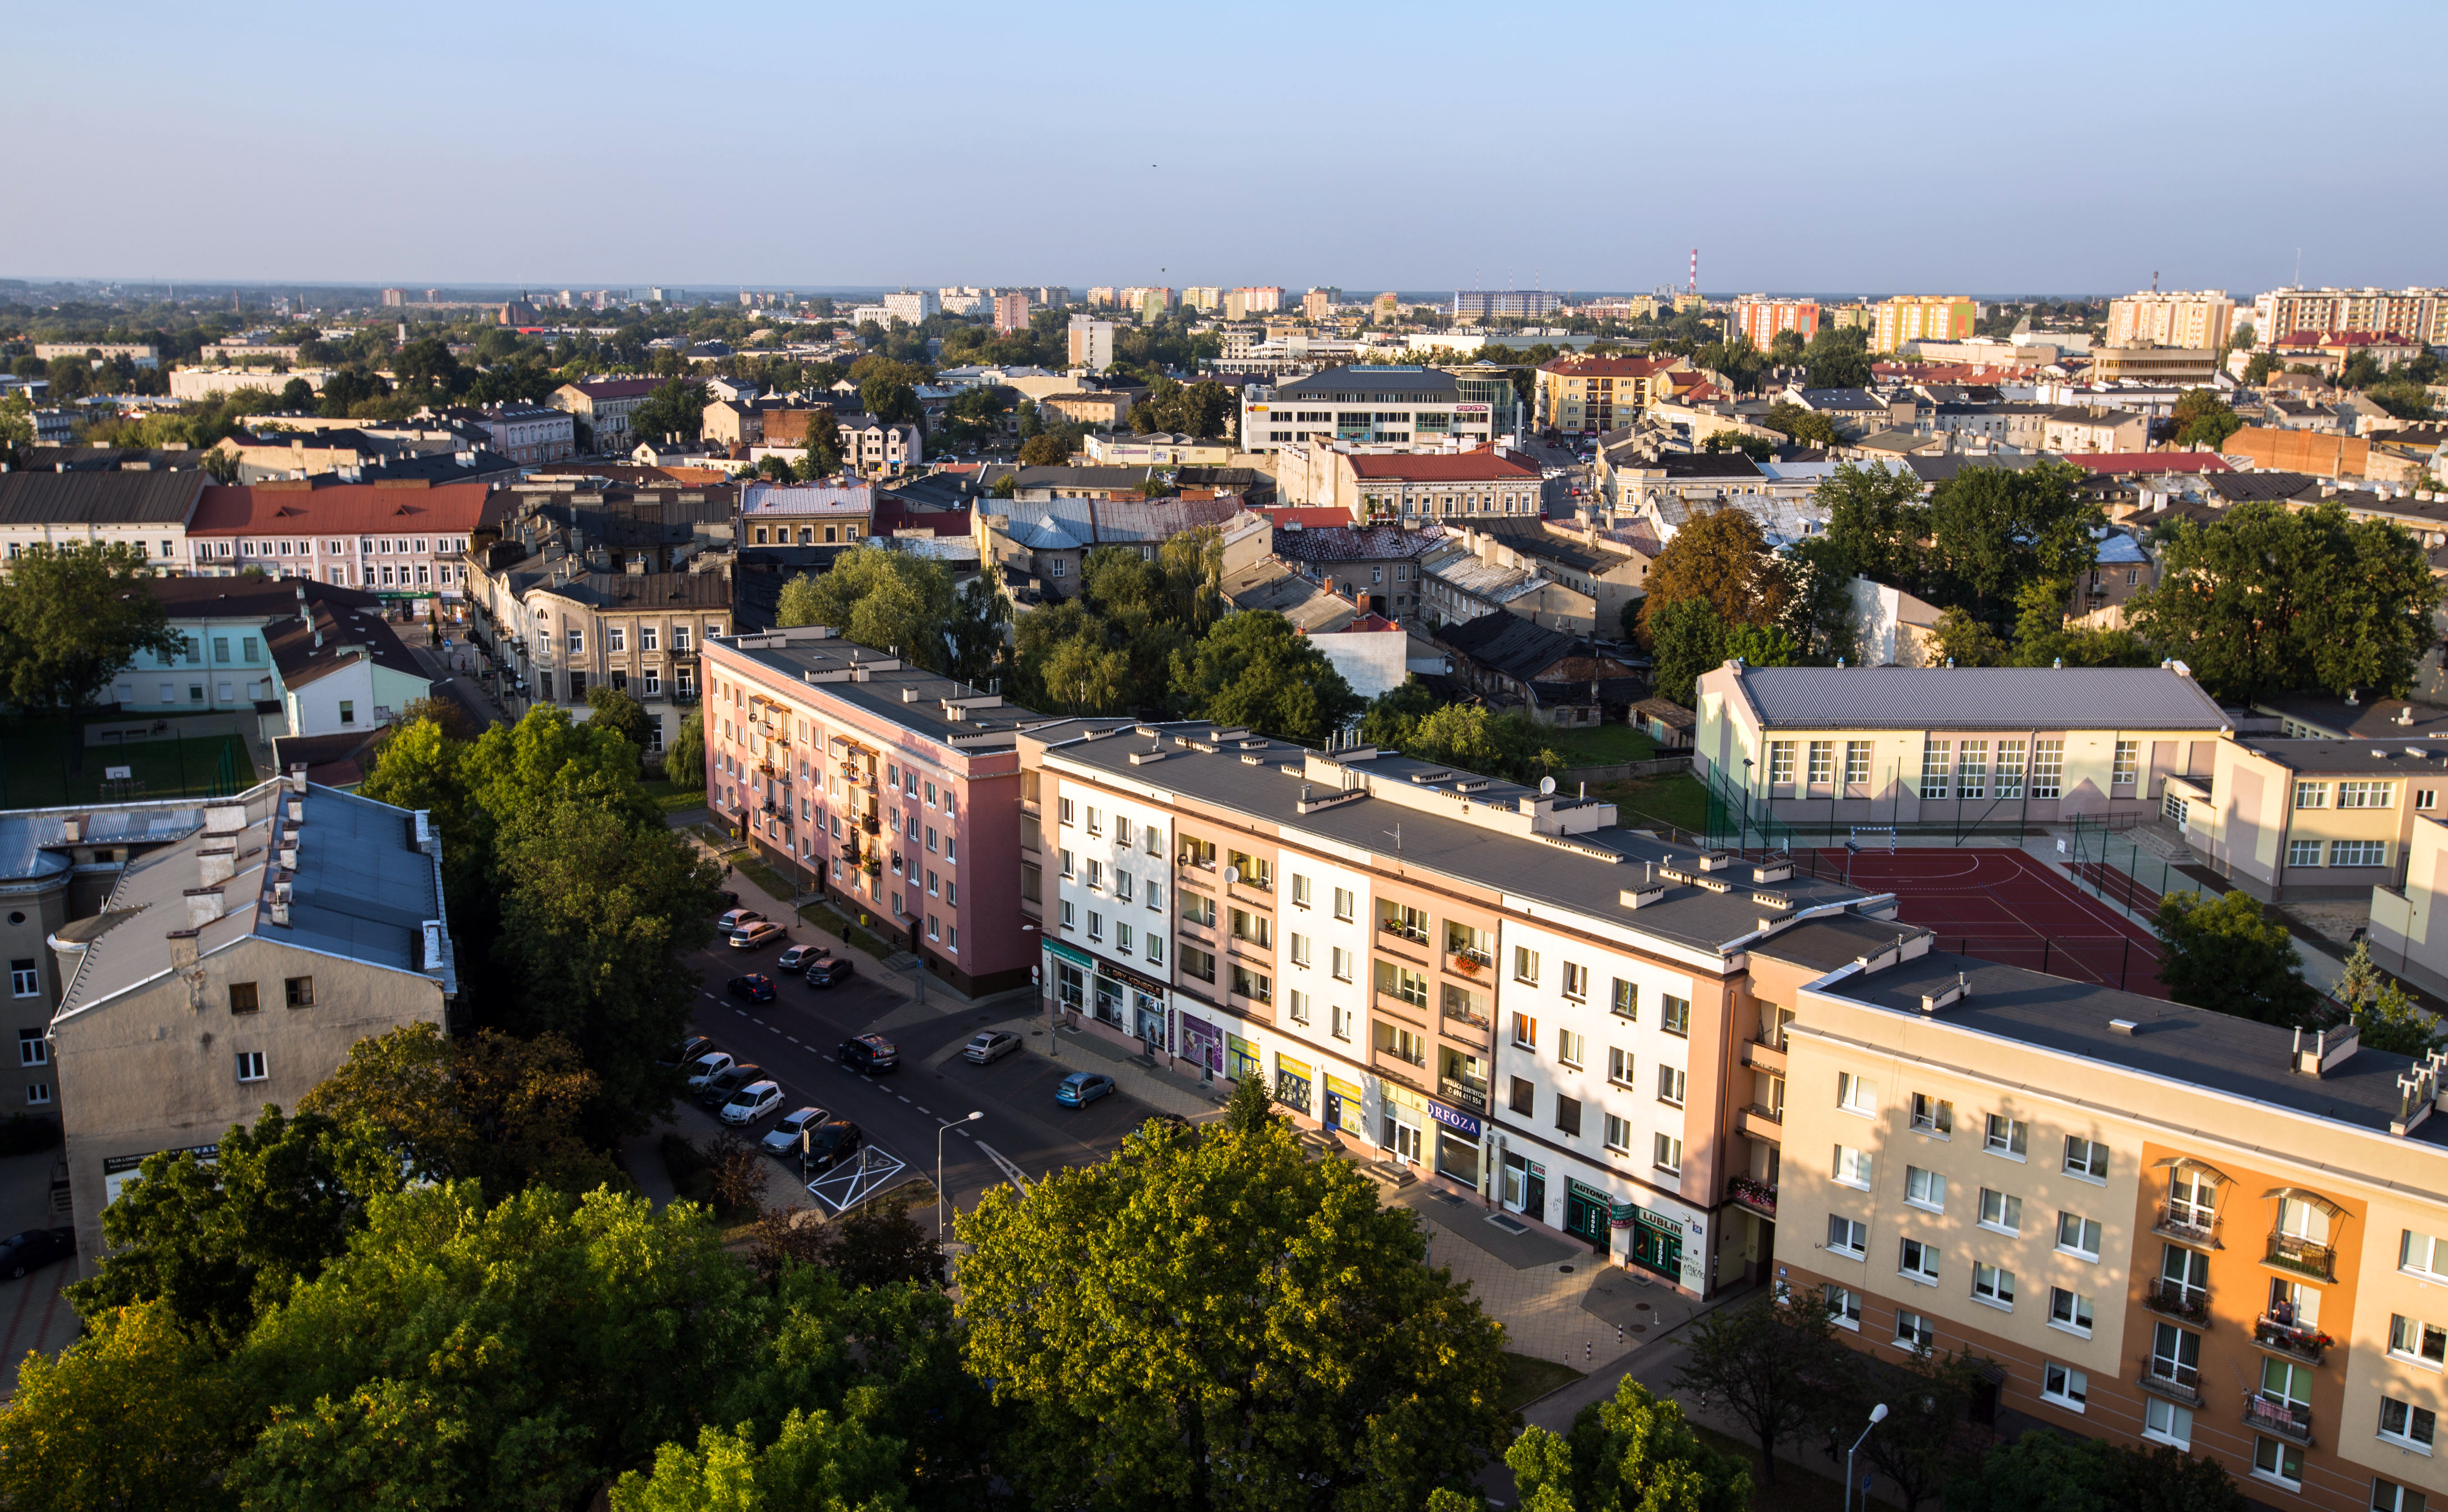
719, 1087
834, 1143
755, 987
687, 1050
831, 972
871, 1053
34, 1249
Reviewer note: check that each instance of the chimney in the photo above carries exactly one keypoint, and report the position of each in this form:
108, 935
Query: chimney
203, 906
182, 950
219, 863
224, 819
72, 829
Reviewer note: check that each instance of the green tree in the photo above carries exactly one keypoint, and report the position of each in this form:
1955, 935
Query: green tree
2259, 367
1344, 1374
1254, 669
1959, 639
426, 364
1819, 615
1758, 449
297, 395
675, 408
1632, 1452
1513, 746
613, 708
1838, 357
815, 1463
1687, 637
1807, 427
139, 1412
980, 631
1725, 558
2227, 956
1992, 531
2043, 1471
72, 618
1928, 1439
1390, 716
2401, 397
2204, 420
1761, 646
2392, 1022
2266, 599
1767, 1361
684, 764
822, 455
1051, 449
1876, 519
895, 602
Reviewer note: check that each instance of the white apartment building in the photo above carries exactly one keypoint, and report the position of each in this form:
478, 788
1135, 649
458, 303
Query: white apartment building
911, 304
2204, 319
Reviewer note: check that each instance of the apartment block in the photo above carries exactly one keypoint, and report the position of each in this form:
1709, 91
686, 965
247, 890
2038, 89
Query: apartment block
2159, 1224
1920, 317
2419, 314
1010, 313
604, 406
888, 787
1495, 987
554, 629
2206, 318
399, 542
2309, 819
147, 511
1489, 304
1369, 406
1091, 343
1589, 396
1763, 319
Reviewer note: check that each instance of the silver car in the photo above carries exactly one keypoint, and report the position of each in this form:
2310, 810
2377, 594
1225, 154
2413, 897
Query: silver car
782, 1140
989, 1047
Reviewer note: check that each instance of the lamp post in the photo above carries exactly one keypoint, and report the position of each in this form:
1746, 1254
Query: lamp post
1746, 837
938, 1174
1878, 1415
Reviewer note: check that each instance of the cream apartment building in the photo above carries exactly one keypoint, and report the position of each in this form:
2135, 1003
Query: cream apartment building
2305, 819
554, 630
2160, 1223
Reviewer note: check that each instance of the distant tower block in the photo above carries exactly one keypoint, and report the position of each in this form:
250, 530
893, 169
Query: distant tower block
1695, 272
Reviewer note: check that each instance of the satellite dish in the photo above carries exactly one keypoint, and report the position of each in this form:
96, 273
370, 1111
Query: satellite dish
1546, 787
1232, 874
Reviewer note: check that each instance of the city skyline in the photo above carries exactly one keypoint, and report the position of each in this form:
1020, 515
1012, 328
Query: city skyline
1825, 180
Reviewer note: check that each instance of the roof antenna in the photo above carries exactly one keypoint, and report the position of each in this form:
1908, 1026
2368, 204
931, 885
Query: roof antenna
1397, 833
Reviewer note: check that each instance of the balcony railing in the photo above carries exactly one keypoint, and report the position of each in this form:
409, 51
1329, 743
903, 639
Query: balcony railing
1464, 1092
2292, 1252
1416, 933
1760, 1197
2289, 1421
2177, 1383
2170, 1299
2188, 1223
1470, 963
1459, 1014
1774, 1115
2303, 1344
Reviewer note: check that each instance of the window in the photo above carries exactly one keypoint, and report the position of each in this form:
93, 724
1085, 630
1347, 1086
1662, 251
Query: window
1931, 1115
1822, 770
2403, 1423
2167, 1422
1525, 1033
1096, 819
1405, 983
2087, 1159
2366, 795
32, 1048
1780, 763
1403, 1045
1299, 948
242, 997
1674, 1015
250, 1065
1526, 964
2070, 1310
1843, 1307
2047, 768
2078, 1235
1568, 1115
2064, 1385
1197, 963
2126, 770
1849, 1236
1857, 1094
2358, 853
2001, 1211
1937, 762
348, 707
1925, 1189
26, 977
1972, 770
619, 638
1993, 1285
1669, 1154
2302, 853
2311, 795
1259, 929
2387, 1496
1571, 1049
1343, 904
1625, 1002
38, 1093
1619, 1064
1670, 1084
2425, 799
1525, 1096
1857, 763
1300, 891
1096, 924
298, 992
1913, 1331
1853, 1168
1577, 981
2010, 768
2277, 1460
1068, 863
2408, 1338
1918, 1261
1619, 1134
1341, 960
2422, 1253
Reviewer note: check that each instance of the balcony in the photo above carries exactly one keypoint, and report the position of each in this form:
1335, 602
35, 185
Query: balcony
1761, 1122
683, 695
868, 822
2303, 1344
2177, 1383
1463, 1091
2188, 1223
1396, 929
2286, 1420
1469, 963
1760, 1056
2190, 1303
1759, 1196
1455, 1013
2292, 1252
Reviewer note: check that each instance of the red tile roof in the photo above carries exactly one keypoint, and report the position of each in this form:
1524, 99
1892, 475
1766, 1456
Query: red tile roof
1442, 468
2148, 462
345, 509
1308, 517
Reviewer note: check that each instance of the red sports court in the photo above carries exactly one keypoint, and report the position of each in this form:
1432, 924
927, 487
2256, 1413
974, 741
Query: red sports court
2003, 905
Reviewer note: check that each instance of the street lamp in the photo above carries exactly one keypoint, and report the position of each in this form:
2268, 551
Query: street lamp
1878, 1415
939, 1176
1746, 837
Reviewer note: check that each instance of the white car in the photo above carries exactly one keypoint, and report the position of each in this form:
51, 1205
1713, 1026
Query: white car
706, 1068
753, 1102
800, 957
738, 919
782, 1140
756, 936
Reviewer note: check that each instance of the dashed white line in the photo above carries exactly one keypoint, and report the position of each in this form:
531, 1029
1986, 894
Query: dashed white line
903, 1098
962, 1132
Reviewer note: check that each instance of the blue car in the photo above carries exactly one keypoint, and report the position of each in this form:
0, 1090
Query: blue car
755, 987
1081, 1088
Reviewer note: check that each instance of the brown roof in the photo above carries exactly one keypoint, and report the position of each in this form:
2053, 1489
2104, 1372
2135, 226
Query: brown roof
1608, 367
1437, 468
345, 509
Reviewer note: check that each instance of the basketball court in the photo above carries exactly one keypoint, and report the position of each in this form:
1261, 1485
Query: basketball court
2003, 905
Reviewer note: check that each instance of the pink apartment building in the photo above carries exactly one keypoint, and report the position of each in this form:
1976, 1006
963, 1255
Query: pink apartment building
893, 789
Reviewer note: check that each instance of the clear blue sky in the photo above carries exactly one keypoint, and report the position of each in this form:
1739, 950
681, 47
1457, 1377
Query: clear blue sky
1983, 149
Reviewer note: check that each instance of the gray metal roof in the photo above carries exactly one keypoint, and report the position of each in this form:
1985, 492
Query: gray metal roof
100, 498
1978, 698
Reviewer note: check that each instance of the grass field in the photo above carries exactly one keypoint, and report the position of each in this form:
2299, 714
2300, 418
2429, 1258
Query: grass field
1647, 801
672, 800
45, 763
1605, 745
1528, 1378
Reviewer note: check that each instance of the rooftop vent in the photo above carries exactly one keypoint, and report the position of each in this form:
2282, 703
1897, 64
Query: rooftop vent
1955, 992
2124, 1026
2328, 1050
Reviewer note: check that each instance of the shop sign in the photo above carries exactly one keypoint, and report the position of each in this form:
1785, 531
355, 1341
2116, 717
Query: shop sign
1145, 984
1072, 953
1649, 1220
1454, 1118
1299, 1069
1340, 1088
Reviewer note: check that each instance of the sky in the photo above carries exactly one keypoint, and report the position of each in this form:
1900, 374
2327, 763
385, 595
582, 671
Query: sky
1853, 149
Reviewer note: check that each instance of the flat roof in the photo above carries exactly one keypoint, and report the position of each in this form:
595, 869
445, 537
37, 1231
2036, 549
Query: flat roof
1978, 698
2353, 758
877, 683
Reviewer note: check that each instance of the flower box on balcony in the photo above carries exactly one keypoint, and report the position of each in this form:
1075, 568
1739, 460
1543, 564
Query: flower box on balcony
2303, 1344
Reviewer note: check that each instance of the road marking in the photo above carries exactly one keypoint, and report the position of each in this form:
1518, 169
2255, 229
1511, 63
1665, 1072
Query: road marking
962, 1132
1011, 1172
903, 1098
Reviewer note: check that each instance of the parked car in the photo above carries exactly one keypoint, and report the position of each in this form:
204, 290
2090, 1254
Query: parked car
728, 897
687, 1050
832, 1144
1081, 1088
34, 1249
830, 972
871, 1053
751, 1103
754, 987
706, 1068
719, 1087
783, 1138
991, 1046
756, 936
800, 957
737, 918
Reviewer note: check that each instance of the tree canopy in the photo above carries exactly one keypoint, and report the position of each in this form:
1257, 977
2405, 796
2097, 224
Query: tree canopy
2225, 957
74, 617
1723, 557
675, 408
1414, 721
1254, 669
898, 603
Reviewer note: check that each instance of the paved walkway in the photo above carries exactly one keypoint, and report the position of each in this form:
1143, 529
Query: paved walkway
33, 1314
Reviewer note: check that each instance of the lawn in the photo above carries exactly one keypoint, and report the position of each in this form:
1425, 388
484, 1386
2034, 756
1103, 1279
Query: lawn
1645, 802
1605, 746
1796, 1489
1528, 1378
44, 763
672, 800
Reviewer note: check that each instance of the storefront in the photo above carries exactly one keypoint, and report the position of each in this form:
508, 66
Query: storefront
1109, 1001
1241, 1058
1346, 1107
1526, 1186
1588, 1213
1202, 1043
1071, 968
1142, 1003
1403, 1128
1458, 1136
1292, 1084
1656, 1243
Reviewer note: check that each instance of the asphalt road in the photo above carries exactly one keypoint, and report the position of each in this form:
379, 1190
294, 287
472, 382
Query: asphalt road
796, 1039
